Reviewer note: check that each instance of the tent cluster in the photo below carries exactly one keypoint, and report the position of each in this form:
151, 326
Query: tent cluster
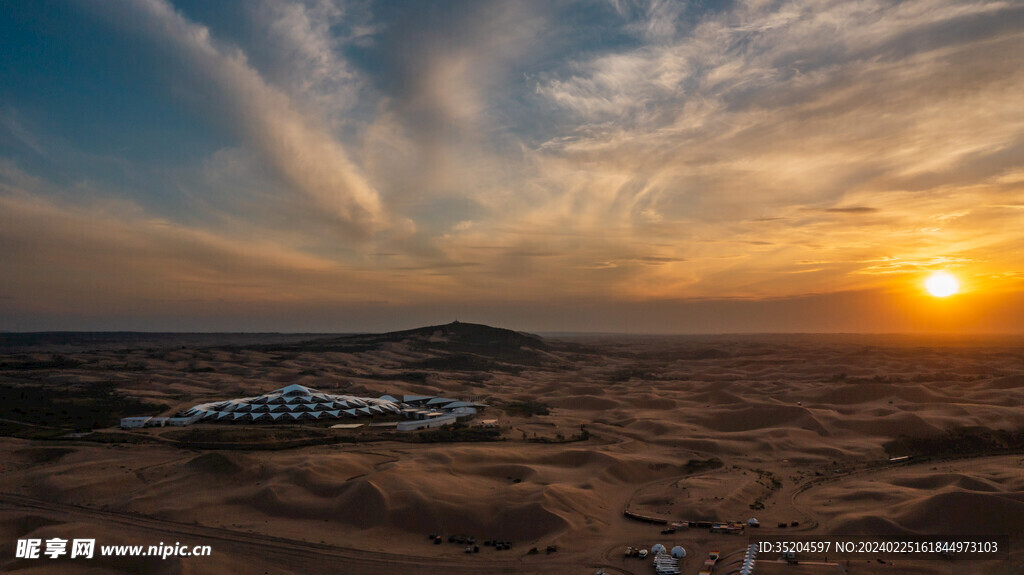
293, 403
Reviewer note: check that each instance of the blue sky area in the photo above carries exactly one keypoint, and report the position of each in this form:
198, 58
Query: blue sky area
636, 166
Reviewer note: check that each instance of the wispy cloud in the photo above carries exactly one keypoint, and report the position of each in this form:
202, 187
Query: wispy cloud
311, 162
853, 210
635, 150
768, 109
110, 256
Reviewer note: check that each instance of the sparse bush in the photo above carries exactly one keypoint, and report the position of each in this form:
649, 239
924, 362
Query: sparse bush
527, 408
696, 465
960, 441
455, 433
73, 408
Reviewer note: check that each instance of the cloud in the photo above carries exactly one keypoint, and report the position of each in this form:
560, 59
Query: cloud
529, 254
306, 157
12, 128
852, 210
761, 112
108, 257
635, 151
300, 48
717, 129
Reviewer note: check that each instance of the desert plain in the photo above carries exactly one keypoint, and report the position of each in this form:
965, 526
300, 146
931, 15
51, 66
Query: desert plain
826, 434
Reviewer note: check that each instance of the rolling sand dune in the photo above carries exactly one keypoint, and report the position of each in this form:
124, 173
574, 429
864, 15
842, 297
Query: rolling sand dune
938, 481
761, 417
787, 429
886, 424
584, 403
965, 512
867, 525
1008, 382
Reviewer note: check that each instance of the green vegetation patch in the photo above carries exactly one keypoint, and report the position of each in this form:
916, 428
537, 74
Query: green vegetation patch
526, 408
698, 465
66, 407
26, 431
452, 434
246, 433
247, 437
958, 442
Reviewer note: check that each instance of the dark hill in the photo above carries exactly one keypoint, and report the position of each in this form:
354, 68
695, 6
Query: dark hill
468, 336
456, 345
470, 346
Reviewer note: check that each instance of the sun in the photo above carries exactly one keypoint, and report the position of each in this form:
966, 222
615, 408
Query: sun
942, 284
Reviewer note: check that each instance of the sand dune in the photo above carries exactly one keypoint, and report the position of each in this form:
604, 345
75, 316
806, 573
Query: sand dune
584, 403
938, 481
887, 425
797, 425
1008, 382
964, 512
762, 416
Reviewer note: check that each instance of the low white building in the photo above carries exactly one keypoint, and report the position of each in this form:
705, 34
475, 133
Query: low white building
183, 421
134, 422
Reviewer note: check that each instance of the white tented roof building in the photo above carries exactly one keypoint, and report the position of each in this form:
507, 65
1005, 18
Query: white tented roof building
292, 403
298, 403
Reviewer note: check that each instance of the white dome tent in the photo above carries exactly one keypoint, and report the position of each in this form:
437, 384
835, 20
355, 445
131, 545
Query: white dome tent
678, 552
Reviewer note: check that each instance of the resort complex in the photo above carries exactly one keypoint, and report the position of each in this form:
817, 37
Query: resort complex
297, 403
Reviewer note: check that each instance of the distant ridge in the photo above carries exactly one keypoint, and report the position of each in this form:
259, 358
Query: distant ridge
71, 341
458, 346
454, 339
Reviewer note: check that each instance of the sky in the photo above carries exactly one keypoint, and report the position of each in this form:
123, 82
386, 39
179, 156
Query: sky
554, 166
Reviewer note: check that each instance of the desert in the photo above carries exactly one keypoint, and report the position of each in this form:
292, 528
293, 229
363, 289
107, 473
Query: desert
826, 435
598, 287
